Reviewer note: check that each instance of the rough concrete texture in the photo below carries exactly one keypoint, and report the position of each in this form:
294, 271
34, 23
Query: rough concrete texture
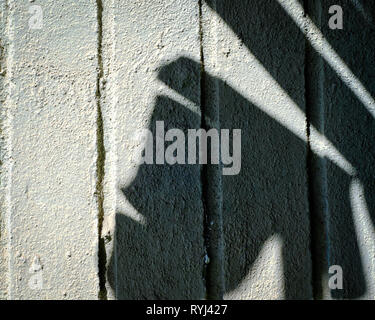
51, 214
260, 84
157, 222
74, 94
3, 172
349, 124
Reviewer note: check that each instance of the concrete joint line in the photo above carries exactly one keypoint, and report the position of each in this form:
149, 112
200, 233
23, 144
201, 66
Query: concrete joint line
100, 169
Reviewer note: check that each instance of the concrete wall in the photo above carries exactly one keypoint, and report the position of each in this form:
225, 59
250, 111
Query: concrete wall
80, 219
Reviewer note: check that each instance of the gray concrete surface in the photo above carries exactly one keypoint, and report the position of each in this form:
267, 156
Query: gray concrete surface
349, 125
49, 121
4, 174
79, 212
154, 214
265, 206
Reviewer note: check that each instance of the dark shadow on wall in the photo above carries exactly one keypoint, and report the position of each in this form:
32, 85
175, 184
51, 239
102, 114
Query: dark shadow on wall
348, 124
164, 259
268, 197
351, 129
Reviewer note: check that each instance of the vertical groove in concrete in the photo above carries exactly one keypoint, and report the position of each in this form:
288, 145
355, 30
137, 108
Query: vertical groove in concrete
102, 260
109, 89
204, 174
211, 183
316, 166
204, 177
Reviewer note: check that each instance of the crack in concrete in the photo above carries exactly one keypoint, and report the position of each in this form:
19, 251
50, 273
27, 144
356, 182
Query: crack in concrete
211, 186
204, 183
315, 181
100, 171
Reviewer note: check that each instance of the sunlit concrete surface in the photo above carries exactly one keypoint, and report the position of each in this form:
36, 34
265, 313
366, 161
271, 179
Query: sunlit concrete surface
49, 118
80, 218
